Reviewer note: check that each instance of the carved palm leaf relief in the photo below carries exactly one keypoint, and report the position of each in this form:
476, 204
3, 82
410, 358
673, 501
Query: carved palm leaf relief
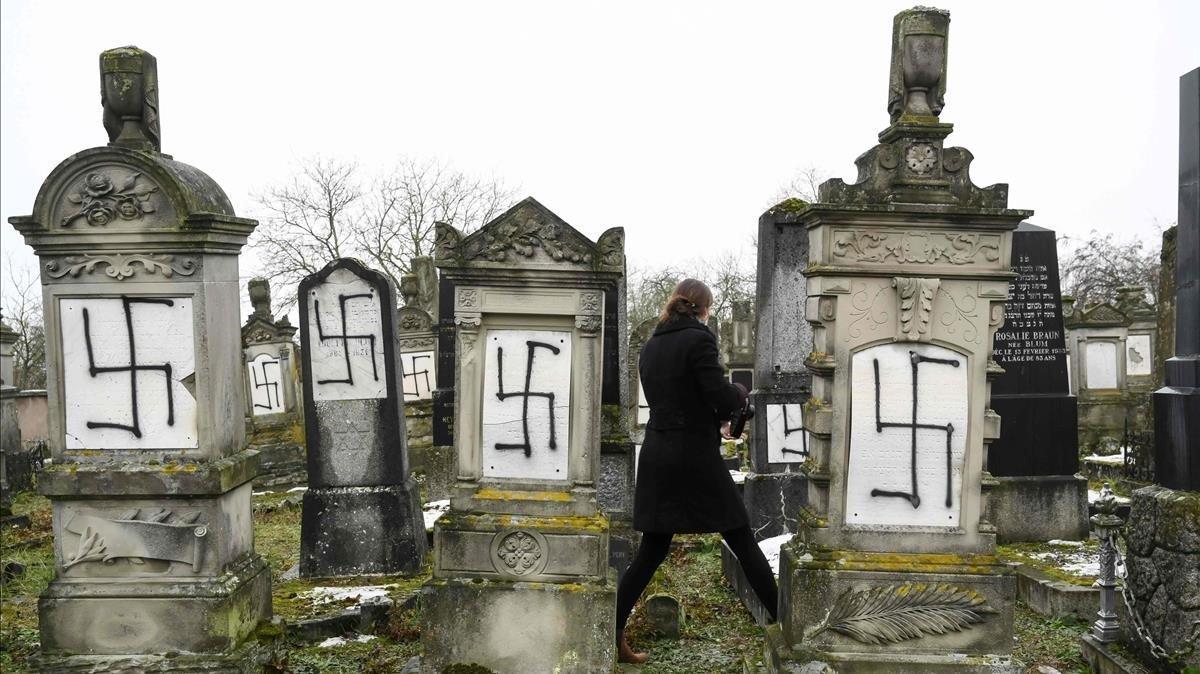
891, 614
136, 536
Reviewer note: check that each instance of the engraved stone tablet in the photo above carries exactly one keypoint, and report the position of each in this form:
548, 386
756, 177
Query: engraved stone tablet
345, 332
787, 439
128, 372
526, 400
1101, 362
1138, 360
907, 435
419, 378
265, 373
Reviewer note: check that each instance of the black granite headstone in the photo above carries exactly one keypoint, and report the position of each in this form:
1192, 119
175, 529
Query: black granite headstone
362, 512
1177, 404
1037, 412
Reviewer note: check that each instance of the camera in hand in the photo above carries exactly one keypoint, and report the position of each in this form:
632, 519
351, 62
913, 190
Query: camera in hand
743, 413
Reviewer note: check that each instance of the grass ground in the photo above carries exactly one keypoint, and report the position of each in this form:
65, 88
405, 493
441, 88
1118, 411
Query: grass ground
717, 634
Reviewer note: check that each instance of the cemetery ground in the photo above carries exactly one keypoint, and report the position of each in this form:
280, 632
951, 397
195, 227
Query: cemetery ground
718, 633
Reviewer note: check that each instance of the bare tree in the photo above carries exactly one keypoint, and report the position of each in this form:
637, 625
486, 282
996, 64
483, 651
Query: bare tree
803, 185
729, 275
329, 209
23, 313
1093, 268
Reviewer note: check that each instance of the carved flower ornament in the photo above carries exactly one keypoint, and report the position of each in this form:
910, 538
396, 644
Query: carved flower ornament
519, 552
100, 202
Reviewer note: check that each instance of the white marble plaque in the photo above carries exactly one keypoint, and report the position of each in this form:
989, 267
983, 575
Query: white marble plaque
787, 439
526, 404
643, 410
129, 367
1138, 358
418, 379
906, 458
1101, 363
345, 337
265, 375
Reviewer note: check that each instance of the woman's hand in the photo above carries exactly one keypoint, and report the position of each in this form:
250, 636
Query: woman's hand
725, 431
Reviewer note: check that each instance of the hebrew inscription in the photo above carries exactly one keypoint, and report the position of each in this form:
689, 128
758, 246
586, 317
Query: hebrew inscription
907, 435
419, 375
128, 371
526, 401
346, 338
787, 438
266, 382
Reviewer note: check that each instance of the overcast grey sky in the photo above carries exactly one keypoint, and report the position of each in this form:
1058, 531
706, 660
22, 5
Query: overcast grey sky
676, 120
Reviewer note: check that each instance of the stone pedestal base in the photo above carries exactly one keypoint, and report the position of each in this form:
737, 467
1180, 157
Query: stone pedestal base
773, 502
1177, 426
1039, 508
209, 616
876, 612
251, 657
353, 531
517, 628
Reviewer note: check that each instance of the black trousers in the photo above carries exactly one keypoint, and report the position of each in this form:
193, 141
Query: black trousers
654, 549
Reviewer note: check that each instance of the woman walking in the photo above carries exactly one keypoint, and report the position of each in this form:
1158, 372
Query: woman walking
683, 486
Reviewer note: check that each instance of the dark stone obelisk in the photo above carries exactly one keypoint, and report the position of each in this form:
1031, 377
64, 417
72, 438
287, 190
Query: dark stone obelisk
1177, 404
1039, 497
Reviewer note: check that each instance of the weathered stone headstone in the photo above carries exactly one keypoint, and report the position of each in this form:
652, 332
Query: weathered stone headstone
894, 568
737, 343
1177, 404
10, 432
664, 615
362, 510
151, 482
273, 409
521, 579
1038, 497
775, 487
418, 357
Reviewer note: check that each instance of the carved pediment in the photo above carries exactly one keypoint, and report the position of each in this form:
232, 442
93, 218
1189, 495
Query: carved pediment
412, 319
259, 330
1102, 314
529, 234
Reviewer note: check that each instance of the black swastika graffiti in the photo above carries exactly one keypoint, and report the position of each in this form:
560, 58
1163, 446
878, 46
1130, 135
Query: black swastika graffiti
525, 396
788, 430
345, 338
416, 376
133, 368
914, 497
269, 385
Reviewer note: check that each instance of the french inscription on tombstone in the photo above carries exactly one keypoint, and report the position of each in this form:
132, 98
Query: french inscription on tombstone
362, 511
151, 480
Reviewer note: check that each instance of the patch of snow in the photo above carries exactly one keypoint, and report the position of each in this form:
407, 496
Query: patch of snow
1067, 544
739, 477
327, 595
261, 493
296, 489
1094, 496
342, 641
771, 547
433, 510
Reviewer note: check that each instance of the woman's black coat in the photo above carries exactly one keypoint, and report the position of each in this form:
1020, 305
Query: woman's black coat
683, 485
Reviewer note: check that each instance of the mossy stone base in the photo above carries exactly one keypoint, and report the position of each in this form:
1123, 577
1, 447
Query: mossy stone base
518, 628
779, 658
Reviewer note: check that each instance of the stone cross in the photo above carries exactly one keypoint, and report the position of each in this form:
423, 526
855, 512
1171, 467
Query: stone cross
903, 294
524, 524
151, 481
362, 511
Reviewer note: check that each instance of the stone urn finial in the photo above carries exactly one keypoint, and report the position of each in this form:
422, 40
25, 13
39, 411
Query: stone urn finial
260, 297
409, 289
917, 86
129, 94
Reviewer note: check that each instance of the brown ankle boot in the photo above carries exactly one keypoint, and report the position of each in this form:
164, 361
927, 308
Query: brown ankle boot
626, 654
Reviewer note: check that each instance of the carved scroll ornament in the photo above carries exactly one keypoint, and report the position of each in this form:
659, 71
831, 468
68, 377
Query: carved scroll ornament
121, 266
137, 536
915, 247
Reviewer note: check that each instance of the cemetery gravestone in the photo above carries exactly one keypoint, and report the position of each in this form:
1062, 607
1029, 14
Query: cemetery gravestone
10, 432
362, 511
775, 487
521, 579
272, 392
418, 359
151, 481
894, 568
1038, 497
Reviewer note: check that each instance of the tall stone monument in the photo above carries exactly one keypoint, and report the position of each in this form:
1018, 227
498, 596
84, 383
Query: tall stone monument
1038, 496
150, 484
1177, 404
10, 431
521, 579
775, 487
273, 405
362, 510
907, 274
418, 358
